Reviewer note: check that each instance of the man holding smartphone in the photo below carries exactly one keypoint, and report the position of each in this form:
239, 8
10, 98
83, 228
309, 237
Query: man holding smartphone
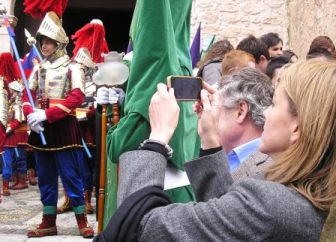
243, 97
239, 117
230, 119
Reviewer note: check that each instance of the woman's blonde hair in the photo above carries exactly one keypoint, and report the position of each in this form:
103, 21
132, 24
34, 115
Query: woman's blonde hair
236, 59
309, 165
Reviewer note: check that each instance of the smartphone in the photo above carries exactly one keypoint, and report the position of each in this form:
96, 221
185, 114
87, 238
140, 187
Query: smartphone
186, 88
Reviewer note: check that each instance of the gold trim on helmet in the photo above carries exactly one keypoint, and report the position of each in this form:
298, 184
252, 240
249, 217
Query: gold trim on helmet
51, 27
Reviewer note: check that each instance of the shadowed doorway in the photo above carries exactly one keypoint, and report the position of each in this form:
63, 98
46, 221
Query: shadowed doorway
116, 16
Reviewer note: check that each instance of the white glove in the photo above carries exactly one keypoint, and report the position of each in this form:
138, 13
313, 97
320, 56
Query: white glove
36, 128
102, 95
8, 130
116, 95
31, 41
82, 117
38, 116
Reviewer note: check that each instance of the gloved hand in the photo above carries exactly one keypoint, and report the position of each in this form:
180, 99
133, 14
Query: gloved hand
81, 117
36, 128
8, 130
116, 95
38, 116
102, 95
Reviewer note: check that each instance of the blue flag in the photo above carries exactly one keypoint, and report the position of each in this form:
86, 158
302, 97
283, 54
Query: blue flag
28, 64
196, 47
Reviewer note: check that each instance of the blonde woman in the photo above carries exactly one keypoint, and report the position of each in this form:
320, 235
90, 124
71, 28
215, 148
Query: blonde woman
290, 204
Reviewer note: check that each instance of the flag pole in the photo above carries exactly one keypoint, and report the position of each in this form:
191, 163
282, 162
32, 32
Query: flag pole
211, 42
28, 35
23, 75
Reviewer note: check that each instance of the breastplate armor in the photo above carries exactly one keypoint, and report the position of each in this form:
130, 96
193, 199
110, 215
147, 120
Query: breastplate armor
53, 78
90, 90
15, 110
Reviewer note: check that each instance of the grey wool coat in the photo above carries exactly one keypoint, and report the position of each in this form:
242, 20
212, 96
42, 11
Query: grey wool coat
248, 210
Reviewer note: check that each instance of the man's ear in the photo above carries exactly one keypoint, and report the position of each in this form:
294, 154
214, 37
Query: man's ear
262, 58
242, 113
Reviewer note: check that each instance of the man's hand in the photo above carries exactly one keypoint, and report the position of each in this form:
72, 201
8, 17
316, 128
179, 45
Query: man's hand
38, 116
36, 128
208, 117
163, 114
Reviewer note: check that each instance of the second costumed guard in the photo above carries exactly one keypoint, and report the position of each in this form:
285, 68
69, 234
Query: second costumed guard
4, 91
14, 156
89, 45
16, 139
59, 89
86, 118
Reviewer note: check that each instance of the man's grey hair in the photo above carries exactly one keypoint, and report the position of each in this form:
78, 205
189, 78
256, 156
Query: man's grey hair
251, 86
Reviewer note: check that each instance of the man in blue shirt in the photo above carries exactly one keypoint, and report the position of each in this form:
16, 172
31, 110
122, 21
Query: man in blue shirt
244, 95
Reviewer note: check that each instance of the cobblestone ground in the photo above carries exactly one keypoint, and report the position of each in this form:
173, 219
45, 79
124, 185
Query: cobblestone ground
22, 210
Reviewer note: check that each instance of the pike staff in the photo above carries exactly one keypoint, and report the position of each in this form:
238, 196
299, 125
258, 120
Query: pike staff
11, 35
110, 74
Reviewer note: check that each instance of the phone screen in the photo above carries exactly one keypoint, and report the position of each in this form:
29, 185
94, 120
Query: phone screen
186, 88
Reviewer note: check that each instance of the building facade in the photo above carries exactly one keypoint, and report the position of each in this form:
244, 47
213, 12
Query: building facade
296, 21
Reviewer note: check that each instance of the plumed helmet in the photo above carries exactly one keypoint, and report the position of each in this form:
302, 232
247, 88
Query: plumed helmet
51, 27
92, 37
83, 56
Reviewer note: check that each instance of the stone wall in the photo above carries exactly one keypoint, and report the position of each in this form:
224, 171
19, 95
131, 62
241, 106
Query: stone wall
235, 19
296, 21
308, 19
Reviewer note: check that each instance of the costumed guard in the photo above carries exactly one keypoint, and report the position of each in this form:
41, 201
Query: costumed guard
3, 118
59, 89
16, 140
8, 73
92, 38
86, 118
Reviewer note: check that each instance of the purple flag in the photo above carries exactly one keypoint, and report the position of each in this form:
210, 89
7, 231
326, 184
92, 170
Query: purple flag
196, 47
129, 47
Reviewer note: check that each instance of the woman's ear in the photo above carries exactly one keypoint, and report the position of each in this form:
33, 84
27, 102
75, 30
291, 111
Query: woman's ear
242, 113
295, 132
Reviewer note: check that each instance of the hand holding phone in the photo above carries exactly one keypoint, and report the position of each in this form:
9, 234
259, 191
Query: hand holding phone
208, 110
186, 88
163, 114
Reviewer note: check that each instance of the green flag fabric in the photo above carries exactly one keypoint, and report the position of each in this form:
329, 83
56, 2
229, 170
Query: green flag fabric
160, 33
